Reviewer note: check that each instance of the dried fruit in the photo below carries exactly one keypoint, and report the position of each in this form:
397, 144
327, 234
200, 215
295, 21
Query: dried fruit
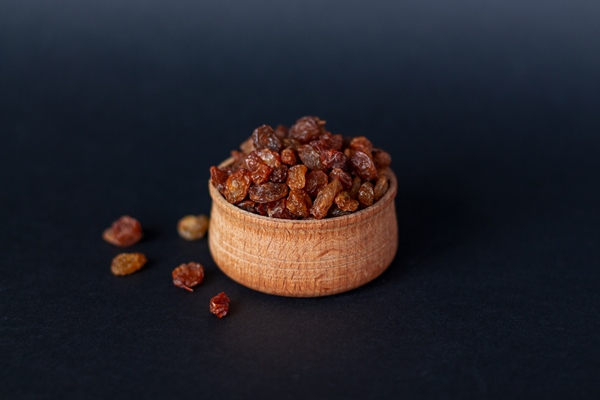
356, 182
381, 186
306, 129
279, 174
334, 159
297, 176
344, 177
124, 232
361, 143
345, 202
281, 131
325, 199
315, 181
188, 275
218, 177
288, 156
192, 227
310, 157
264, 137
363, 166
247, 205
127, 263
260, 173
382, 159
366, 195
237, 185
334, 142
299, 203
278, 209
219, 305
268, 192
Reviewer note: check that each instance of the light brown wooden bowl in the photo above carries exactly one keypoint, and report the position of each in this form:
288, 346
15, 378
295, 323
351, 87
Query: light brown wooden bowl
303, 258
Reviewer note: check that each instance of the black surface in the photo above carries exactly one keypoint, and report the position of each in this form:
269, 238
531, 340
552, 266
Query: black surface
490, 111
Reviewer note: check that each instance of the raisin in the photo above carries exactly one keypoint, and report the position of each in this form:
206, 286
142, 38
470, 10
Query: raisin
260, 173
348, 152
269, 157
345, 202
237, 185
127, 263
382, 159
344, 177
281, 131
290, 143
381, 186
264, 137
218, 177
247, 205
288, 156
315, 181
299, 203
366, 194
361, 143
297, 176
334, 142
192, 227
334, 211
334, 159
219, 305
310, 157
188, 275
279, 174
247, 146
239, 160
124, 232
325, 199
363, 166
306, 129
261, 208
355, 186
268, 192
278, 209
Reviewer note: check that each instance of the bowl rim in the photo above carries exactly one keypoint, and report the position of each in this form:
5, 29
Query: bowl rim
365, 213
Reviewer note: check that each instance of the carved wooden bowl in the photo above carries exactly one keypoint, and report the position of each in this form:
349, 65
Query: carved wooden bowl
303, 258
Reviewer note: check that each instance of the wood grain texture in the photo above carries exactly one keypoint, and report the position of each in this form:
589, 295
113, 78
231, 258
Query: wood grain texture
304, 258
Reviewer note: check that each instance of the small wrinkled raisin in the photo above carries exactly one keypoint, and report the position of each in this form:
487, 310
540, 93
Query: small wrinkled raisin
260, 173
345, 202
281, 131
381, 186
192, 227
288, 156
218, 177
278, 209
268, 192
366, 195
315, 181
269, 157
334, 159
279, 174
299, 203
237, 185
297, 176
310, 157
361, 143
290, 143
381, 158
334, 142
306, 129
264, 137
356, 182
124, 232
334, 211
188, 275
127, 263
239, 159
363, 166
247, 205
325, 199
344, 177
261, 208
219, 305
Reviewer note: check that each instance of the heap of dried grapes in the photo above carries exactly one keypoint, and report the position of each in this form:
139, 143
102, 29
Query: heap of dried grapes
303, 172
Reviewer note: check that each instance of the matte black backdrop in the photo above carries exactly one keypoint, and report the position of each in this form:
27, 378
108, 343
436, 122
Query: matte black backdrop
490, 110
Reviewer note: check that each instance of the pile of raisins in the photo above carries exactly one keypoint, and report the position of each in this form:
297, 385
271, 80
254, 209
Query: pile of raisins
303, 172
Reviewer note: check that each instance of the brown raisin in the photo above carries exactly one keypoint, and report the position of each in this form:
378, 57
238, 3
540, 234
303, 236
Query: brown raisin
268, 192
281, 131
124, 232
237, 185
344, 177
363, 166
325, 199
306, 129
299, 203
345, 202
334, 159
361, 143
297, 176
381, 158
310, 157
218, 177
356, 182
261, 208
192, 227
288, 156
247, 205
278, 209
290, 143
127, 263
348, 152
366, 195
239, 160
334, 211
219, 305
260, 173
315, 181
188, 275
269, 157
381, 186
264, 137
334, 142
279, 174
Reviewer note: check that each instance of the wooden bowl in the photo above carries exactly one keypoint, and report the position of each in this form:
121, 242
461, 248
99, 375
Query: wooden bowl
303, 258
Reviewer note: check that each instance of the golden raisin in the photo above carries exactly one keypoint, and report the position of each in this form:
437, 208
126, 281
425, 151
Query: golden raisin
345, 202
192, 227
297, 176
219, 305
366, 195
188, 275
127, 263
124, 232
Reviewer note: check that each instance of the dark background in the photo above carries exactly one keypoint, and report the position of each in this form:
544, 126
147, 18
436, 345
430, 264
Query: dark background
489, 109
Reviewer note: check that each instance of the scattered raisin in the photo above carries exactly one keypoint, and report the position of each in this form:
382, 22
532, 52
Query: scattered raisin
345, 202
325, 199
219, 305
297, 176
381, 186
127, 263
124, 232
237, 185
268, 192
363, 166
366, 194
188, 275
192, 227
